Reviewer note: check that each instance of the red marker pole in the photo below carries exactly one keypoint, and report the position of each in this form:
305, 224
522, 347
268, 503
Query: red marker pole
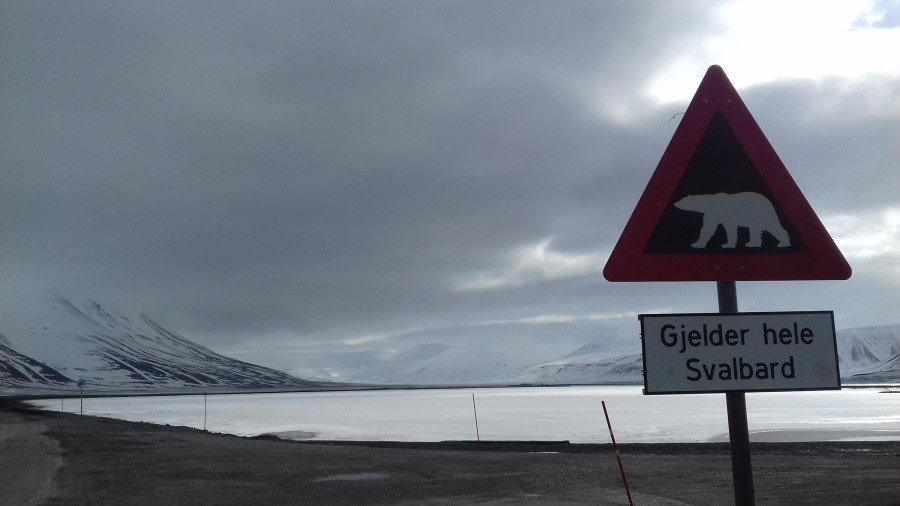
475, 410
618, 457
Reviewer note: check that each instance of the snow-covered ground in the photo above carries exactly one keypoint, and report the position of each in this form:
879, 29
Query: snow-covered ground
549, 413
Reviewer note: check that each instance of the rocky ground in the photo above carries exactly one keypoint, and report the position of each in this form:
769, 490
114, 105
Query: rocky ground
52, 458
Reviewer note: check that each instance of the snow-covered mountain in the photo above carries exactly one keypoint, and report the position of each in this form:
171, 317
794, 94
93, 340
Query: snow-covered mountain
869, 354
18, 371
584, 369
63, 344
437, 364
440, 364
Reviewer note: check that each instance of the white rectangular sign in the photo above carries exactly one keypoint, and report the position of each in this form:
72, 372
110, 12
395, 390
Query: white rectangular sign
715, 352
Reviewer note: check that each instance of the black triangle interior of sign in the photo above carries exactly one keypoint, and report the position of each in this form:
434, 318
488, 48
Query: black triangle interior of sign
720, 169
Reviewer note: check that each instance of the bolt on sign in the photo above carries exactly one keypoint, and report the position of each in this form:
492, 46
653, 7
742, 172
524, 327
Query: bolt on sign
715, 352
721, 206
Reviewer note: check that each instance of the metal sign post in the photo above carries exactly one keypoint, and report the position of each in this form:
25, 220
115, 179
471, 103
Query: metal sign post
738, 433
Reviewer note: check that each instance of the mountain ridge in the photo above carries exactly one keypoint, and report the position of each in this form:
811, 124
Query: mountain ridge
114, 352
117, 353
866, 355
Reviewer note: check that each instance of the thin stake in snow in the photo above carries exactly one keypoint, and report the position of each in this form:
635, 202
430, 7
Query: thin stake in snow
477, 434
618, 457
81, 383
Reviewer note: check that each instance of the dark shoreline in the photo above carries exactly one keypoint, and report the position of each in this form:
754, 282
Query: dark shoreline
93, 460
882, 448
885, 387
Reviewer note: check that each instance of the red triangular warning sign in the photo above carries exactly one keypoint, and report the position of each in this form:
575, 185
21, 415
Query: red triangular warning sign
721, 206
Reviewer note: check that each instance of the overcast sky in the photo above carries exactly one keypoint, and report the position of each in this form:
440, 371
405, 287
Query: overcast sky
275, 178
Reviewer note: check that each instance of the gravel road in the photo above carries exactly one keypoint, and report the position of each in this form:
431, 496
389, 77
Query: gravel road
29, 459
62, 459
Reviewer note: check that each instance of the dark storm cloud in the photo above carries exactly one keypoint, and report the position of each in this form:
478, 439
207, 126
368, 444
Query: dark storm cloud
334, 169
837, 128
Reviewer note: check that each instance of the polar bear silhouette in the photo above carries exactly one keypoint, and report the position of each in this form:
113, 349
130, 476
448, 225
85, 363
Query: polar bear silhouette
732, 211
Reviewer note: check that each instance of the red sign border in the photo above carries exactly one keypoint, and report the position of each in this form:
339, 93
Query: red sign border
628, 262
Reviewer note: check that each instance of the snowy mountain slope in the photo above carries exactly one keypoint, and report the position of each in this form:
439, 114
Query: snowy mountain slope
884, 372
62, 343
440, 364
336, 366
584, 370
864, 350
117, 352
870, 354
600, 349
19, 371
866, 354
437, 364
